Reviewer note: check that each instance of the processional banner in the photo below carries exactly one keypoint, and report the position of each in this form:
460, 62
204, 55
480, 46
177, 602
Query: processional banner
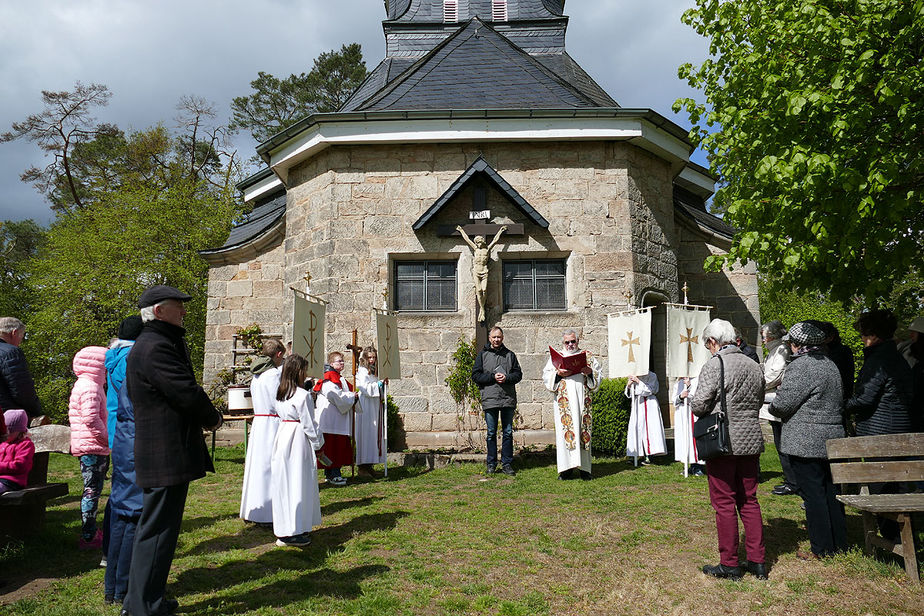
629, 342
685, 351
308, 337
389, 359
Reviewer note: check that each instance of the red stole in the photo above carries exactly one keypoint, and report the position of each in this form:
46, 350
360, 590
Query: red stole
334, 377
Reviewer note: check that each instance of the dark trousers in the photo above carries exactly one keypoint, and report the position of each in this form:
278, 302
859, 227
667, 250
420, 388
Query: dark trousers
824, 514
789, 478
119, 557
155, 542
491, 416
733, 492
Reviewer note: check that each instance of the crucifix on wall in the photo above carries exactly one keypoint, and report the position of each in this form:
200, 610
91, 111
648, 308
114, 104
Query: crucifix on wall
481, 258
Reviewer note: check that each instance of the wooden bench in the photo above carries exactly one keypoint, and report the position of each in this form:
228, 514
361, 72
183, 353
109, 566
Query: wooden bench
882, 459
22, 512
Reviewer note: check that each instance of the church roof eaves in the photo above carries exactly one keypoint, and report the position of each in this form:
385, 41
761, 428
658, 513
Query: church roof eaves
264, 227
656, 119
481, 166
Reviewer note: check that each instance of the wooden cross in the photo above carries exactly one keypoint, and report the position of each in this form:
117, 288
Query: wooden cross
629, 343
690, 340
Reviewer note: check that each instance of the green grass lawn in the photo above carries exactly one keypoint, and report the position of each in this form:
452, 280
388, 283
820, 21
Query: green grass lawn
450, 542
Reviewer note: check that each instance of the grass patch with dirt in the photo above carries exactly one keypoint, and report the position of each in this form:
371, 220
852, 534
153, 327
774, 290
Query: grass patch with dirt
449, 541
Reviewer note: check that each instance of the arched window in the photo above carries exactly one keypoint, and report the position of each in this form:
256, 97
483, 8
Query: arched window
499, 10
450, 10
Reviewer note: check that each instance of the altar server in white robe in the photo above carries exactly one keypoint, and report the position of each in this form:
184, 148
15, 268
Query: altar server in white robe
370, 431
646, 428
256, 505
294, 485
573, 423
684, 445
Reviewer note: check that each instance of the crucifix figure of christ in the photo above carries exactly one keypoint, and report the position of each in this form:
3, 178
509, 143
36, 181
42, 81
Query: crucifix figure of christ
690, 339
480, 260
630, 342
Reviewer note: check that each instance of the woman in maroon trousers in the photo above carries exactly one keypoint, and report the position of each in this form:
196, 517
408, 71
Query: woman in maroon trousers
733, 477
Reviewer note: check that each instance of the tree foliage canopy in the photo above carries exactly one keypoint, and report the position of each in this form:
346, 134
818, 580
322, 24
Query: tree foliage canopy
277, 103
814, 124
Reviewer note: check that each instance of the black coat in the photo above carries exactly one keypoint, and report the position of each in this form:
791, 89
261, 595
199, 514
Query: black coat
17, 389
882, 397
171, 409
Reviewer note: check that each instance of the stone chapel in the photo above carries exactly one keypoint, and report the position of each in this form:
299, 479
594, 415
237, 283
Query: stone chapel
477, 117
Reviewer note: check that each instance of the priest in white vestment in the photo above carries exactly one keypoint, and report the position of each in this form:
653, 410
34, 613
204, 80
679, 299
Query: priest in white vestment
646, 428
256, 504
294, 484
684, 444
573, 422
370, 423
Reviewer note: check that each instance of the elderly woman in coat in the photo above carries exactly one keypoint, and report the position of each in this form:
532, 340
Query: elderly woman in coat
778, 355
733, 477
810, 403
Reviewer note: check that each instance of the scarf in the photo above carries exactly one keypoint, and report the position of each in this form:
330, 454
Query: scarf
334, 377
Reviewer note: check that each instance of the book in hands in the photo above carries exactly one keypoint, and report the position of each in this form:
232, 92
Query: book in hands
574, 363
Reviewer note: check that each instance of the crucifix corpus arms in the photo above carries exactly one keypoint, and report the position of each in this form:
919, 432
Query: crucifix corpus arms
482, 255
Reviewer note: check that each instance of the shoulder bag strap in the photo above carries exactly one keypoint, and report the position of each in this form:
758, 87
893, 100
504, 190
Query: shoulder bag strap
722, 404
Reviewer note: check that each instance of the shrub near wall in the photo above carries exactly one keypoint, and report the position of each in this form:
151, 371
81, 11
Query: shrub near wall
610, 415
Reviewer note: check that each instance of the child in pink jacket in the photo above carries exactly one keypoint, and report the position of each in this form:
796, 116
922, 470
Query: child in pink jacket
16, 452
89, 439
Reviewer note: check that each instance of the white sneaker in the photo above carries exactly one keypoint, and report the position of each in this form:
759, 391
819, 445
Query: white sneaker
102, 563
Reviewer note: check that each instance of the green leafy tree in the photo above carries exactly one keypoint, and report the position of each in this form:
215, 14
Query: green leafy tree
20, 241
814, 123
97, 261
278, 103
62, 126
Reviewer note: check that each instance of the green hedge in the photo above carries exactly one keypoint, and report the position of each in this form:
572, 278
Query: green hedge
610, 414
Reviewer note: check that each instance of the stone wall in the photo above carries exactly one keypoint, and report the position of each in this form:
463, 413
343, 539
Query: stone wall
239, 295
349, 218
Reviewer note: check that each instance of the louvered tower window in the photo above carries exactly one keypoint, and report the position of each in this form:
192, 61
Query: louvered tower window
499, 10
450, 10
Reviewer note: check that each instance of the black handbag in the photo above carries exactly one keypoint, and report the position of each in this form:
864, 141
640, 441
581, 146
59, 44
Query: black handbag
711, 431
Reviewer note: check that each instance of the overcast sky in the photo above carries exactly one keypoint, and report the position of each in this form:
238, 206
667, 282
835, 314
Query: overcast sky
152, 52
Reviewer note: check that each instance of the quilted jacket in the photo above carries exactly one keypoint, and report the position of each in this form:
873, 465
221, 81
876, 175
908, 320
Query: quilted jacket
810, 403
884, 391
17, 389
87, 407
744, 395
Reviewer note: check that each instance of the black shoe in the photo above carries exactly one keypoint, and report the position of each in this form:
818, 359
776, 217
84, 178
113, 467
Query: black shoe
697, 470
566, 475
171, 605
758, 570
508, 470
783, 489
586, 476
108, 599
491, 469
723, 572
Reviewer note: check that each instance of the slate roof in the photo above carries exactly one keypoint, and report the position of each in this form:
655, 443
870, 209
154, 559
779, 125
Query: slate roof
263, 222
478, 68
694, 209
432, 10
481, 167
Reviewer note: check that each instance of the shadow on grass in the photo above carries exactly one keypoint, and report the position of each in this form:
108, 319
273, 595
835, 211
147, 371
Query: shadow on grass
191, 524
782, 536
325, 541
332, 508
312, 583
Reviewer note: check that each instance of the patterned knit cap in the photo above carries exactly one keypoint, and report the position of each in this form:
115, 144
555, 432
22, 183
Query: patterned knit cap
805, 334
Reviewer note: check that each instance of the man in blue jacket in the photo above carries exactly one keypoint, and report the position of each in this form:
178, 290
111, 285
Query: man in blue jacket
496, 372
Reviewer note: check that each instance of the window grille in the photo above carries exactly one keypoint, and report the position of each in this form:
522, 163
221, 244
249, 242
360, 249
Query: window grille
534, 285
425, 285
499, 10
451, 11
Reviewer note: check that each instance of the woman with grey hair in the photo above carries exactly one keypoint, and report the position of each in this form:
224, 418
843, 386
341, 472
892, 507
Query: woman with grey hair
733, 477
778, 354
810, 403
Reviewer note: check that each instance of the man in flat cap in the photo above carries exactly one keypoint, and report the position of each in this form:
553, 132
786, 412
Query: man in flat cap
171, 410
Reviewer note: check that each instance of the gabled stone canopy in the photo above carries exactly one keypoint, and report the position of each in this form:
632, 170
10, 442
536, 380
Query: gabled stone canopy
481, 168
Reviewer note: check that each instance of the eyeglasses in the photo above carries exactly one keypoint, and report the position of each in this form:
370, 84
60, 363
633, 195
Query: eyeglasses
338, 361
570, 341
